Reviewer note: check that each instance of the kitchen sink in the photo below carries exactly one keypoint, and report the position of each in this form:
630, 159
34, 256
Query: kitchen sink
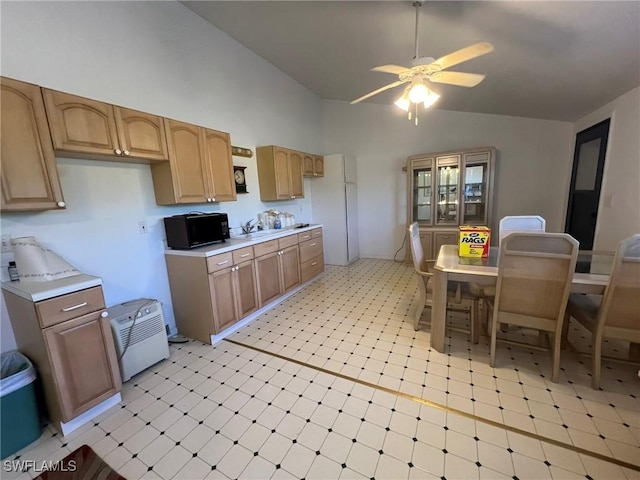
258, 234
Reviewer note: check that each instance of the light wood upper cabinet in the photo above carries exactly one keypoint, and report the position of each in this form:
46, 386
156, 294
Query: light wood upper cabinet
295, 166
28, 170
313, 165
279, 173
200, 167
217, 147
81, 125
141, 135
184, 179
318, 166
89, 128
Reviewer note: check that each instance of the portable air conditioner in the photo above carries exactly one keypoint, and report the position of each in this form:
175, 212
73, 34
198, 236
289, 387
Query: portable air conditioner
147, 343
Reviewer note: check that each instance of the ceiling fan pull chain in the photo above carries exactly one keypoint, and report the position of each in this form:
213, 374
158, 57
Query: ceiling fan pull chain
416, 114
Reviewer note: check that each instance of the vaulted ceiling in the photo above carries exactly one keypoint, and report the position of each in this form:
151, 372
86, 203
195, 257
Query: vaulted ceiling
552, 60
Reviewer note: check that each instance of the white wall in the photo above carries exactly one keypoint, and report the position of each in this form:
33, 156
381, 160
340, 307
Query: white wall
621, 178
532, 171
157, 57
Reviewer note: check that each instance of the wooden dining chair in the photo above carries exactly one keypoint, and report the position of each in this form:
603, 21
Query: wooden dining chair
458, 299
535, 271
616, 314
520, 223
508, 224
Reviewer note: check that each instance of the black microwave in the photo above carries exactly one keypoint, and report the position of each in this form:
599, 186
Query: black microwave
196, 229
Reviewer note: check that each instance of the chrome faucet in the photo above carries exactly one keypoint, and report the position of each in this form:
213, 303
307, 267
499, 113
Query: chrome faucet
247, 228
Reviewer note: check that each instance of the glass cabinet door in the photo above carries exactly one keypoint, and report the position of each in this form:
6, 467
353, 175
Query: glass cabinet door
422, 193
475, 194
447, 195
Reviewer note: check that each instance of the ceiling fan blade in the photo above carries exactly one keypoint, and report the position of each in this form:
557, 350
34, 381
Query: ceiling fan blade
464, 54
375, 92
396, 69
457, 78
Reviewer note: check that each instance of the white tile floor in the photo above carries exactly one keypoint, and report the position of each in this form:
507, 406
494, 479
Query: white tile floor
230, 411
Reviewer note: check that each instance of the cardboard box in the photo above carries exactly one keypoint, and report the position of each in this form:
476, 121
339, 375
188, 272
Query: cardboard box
473, 241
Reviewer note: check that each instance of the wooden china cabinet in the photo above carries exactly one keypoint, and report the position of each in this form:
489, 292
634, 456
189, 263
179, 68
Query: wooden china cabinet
449, 189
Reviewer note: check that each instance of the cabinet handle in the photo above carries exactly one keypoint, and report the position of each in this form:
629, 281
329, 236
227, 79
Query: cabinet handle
127, 153
213, 199
104, 314
117, 151
75, 307
244, 255
62, 204
314, 264
312, 244
222, 263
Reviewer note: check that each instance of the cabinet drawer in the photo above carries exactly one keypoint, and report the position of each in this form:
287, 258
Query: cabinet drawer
242, 255
265, 247
311, 268
289, 241
304, 236
218, 262
72, 305
316, 232
310, 249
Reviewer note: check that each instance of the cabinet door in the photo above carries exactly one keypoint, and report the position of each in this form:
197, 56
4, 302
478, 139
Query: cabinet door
83, 362
219, 165
475, 195
290, 261
268, 274
426, 241
223, 300
81, 125
246, 292
443, 238
307, 165
448, 189
142, 135
28, 169
422, 194
187, 160
318, 166
282, 175
295, 169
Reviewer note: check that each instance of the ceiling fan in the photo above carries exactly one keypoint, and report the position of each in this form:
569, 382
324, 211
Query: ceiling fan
427, 69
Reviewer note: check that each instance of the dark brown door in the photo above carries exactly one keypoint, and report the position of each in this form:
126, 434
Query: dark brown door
586, 180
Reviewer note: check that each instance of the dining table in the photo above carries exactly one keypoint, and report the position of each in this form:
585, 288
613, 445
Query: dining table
591, 277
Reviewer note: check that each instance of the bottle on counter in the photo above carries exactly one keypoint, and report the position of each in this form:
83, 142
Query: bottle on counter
277, 224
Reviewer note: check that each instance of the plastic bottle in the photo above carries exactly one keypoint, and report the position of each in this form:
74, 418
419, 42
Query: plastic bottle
276, 222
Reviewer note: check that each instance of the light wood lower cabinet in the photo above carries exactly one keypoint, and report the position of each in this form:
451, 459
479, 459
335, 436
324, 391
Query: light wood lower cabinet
28, 169
75, 355
212, 293
83, 357
233, 294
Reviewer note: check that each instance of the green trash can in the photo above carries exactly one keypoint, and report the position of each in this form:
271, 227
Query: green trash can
19, 420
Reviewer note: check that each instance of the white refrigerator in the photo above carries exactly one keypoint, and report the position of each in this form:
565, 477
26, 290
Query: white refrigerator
334, 203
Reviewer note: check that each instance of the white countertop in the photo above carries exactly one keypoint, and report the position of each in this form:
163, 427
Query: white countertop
234, 243
38, 291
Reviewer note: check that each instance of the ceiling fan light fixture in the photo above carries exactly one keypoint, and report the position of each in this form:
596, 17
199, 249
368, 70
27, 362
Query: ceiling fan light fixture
432, 97
418, 92
403, 102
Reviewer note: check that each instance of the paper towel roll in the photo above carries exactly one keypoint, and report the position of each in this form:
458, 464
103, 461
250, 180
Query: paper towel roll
36, 263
